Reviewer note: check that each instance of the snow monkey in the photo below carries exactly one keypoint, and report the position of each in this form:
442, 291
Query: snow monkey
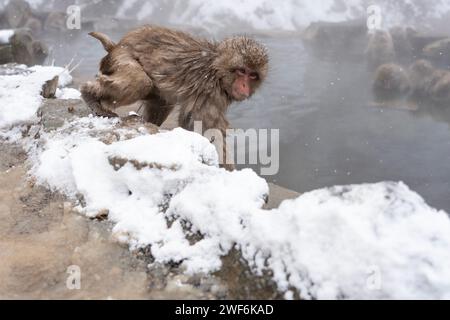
422, 74
165, 68
391, 82
430, 82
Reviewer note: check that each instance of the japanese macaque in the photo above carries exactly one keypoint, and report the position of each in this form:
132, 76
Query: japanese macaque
165, 68
380, 49
335, 40
391, 83
34, 25
55, 21
429, 82
18, 14
27, 51
421, 74
439, 90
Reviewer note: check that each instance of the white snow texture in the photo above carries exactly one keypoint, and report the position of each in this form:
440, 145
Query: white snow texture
354, 242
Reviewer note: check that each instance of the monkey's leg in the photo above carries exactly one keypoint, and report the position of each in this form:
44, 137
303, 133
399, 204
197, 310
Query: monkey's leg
210, 120
125, 84
222, 125
228, 159
156, 110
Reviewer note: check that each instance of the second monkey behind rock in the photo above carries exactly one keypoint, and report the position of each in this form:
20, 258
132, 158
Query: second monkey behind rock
165, 68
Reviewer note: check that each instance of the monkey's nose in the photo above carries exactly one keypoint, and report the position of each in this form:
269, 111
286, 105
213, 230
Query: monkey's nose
245, 90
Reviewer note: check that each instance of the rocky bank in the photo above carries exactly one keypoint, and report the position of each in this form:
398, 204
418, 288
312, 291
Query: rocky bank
41, 236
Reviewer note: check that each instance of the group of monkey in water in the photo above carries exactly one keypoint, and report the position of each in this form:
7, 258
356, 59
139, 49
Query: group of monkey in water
410, 80
165, 68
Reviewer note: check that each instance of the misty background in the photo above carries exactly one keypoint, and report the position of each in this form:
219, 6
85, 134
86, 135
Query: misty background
245, 15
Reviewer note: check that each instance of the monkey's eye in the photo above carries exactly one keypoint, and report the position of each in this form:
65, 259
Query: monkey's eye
241, 71
254, 76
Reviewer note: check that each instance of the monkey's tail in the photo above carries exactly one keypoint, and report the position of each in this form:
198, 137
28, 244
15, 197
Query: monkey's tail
107, 43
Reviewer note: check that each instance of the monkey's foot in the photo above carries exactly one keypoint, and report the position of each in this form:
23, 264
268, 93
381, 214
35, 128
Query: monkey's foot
99, 111
133, 119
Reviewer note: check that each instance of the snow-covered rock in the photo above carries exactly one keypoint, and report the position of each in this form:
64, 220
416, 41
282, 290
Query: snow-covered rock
363, 241
20, 94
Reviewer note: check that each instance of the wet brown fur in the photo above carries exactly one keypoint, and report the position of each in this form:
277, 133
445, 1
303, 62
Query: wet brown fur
165, 68
429, 82
391, 82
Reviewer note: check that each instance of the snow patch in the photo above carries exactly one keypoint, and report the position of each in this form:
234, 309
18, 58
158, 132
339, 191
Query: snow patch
68, 93
375, 241
21, 94
5, 35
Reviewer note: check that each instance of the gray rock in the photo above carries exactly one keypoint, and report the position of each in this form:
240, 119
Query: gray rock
24, 49
420, 41
234, 281
278, 194
404, 49
336, 40
242, 283
54, 112
438, 51
55, 22
49, 88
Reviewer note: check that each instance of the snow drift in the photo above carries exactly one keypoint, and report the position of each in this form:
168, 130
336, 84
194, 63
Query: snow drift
377, 241
20, 95
363, 241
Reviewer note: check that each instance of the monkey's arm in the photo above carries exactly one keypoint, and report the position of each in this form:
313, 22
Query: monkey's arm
214, 126
228, 159
156, 110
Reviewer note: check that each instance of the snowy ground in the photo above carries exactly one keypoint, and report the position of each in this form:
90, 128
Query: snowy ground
363, 241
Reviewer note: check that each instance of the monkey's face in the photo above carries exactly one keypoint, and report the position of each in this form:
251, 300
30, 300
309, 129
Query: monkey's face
242, 65
422, 68
245, 83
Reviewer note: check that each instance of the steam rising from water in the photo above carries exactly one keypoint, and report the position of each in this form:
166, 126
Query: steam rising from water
266, 15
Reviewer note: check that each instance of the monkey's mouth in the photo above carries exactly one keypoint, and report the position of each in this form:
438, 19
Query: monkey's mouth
239, 96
